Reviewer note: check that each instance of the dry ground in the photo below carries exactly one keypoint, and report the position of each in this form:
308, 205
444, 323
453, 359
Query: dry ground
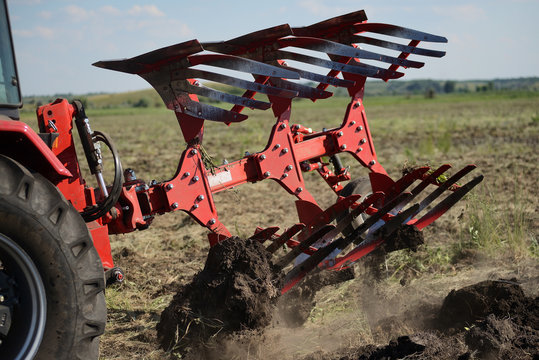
490, 234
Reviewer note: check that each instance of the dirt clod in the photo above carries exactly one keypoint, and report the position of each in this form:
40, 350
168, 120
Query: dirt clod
502, 298
236, 290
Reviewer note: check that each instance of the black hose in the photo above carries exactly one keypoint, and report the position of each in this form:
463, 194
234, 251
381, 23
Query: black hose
116, 189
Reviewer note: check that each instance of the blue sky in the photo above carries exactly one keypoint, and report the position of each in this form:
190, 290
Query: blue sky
56, 41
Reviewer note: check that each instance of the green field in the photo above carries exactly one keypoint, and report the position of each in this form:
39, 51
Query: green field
495, 228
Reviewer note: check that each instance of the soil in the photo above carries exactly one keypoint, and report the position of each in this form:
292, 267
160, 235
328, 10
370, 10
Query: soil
487, 320
236, 290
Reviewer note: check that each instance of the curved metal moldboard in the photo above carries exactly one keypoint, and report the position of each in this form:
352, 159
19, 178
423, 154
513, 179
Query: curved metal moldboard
398, 31
151, 60
356, 68
236, 82
304, 91
238, 63
246, 43
335, 48
332, 25
358, 39
202, 90
330, 80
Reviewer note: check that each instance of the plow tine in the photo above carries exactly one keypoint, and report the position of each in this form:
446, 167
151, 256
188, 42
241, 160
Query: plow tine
444, 186
447, 203
398, 31
395, 46
287, 235
219, 95
365, 247
304, 74
302, 246
298, 272
359, 68
232, 81
335, 48
242, 64
264, 234
304, 91
204, 111
430, 179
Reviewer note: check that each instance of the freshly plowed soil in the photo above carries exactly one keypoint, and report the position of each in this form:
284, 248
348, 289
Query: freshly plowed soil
488, 320
236, 290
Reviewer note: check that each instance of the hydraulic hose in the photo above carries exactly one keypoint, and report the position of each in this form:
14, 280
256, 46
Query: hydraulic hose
114, 194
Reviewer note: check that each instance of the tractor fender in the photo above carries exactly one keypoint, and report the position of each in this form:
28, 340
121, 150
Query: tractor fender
21, 143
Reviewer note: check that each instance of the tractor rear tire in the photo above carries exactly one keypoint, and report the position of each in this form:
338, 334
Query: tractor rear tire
51, 277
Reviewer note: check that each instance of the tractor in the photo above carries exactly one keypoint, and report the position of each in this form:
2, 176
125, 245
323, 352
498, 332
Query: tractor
55, 253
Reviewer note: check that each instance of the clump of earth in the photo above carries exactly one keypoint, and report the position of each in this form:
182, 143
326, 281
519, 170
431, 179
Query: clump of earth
236, 290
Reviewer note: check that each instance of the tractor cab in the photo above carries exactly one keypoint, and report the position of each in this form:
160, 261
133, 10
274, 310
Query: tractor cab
10, 94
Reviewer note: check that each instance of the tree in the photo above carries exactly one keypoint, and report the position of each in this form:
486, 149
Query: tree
449, 87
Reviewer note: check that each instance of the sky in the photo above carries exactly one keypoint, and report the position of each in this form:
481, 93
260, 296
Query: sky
56, 41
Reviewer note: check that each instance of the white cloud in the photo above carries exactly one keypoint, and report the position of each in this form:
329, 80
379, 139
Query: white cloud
37, 32
110, 10
151, 10
76, 13
45, 32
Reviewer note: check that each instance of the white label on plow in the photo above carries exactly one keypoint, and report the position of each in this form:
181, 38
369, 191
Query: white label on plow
220, 178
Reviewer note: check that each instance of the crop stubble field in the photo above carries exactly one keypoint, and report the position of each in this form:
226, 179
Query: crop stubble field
490, 234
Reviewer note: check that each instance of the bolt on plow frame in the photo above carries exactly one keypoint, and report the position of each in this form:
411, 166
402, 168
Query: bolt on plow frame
293, 148
271, 67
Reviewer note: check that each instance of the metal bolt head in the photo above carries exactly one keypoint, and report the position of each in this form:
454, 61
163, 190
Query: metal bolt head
212, 221
372, 162
289, 167
284, 151
267, 173
174, 205
363, 141
200, 197
170, 186
299, 189
195, 178
194, 151
360, 149
262, 157
343, 146
277, 146
285, 175
283, 125
195, 206
340, 133
129, 175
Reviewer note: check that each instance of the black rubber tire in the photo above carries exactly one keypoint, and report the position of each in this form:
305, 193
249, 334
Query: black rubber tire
360, 186
36, 216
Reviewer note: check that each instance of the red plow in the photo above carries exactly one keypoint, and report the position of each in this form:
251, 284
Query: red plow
292, 148
49, 215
